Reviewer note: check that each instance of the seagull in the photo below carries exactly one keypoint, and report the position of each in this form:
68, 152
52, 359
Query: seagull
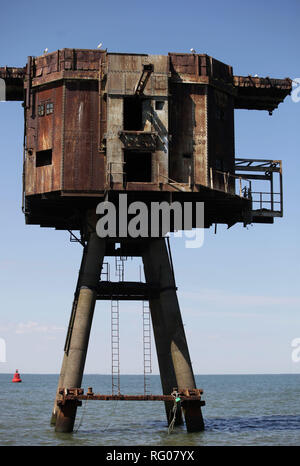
46, 50
99, 45
256, 75
193, 51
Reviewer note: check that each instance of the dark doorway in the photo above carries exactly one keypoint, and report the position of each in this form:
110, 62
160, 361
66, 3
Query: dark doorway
138, 166
133, 114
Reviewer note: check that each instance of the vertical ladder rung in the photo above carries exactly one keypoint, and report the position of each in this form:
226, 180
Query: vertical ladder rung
146, 345
115, 347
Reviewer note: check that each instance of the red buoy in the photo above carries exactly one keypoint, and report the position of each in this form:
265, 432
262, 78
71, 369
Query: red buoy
16, 377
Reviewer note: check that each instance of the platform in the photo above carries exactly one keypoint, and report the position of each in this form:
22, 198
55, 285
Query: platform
77, 394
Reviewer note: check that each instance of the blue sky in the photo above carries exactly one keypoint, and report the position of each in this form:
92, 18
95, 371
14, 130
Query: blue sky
239, 293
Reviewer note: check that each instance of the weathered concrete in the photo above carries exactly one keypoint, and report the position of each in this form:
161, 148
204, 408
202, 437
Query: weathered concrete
67, 344
171, 345
73, 370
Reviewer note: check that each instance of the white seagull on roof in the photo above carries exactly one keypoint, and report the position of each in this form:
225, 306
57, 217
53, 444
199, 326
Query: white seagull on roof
99, 45
46, 50
193, 51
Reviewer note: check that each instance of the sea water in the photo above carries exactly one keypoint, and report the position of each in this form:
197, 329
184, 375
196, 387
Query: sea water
240, 410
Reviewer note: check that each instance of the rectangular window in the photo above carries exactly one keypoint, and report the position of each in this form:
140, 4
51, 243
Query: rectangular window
49, 108
138, 166
41, 110
43, 157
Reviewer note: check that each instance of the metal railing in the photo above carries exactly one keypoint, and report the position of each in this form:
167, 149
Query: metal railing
243, 191
264, 170
241, 183
265, 203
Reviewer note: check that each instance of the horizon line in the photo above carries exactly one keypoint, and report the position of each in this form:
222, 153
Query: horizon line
149, 375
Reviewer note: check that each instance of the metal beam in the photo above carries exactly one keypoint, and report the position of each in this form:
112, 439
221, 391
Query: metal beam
147, 70
126, 291
77, 394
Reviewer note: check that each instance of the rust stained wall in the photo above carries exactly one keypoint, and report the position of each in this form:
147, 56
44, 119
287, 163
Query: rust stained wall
221, 135
201, 119
31, 145
181, 131
188, 127
183, 66
44, 132
82, 164
188, 122
196, 67
184, 121
123, 73
200, 134
67, 60
88, 87
74, 130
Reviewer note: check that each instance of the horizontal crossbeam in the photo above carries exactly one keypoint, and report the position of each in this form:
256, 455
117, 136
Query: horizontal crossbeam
258, 165
122, 291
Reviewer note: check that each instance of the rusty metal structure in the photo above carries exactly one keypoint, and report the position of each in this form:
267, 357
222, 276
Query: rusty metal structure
156, 128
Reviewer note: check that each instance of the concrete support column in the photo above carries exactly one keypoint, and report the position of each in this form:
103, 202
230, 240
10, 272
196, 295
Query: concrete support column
74, 366
68, 338
171, 345
59, 385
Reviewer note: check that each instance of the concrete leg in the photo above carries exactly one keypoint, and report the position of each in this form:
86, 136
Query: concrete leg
59, 385
78, 346
68, 338
171, 345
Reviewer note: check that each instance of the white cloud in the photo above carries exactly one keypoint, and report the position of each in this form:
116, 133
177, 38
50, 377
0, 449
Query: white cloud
35, 327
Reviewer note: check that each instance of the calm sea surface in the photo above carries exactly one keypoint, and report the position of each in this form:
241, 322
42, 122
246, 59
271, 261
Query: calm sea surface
240, 410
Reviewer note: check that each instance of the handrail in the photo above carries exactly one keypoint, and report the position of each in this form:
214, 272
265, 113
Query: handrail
228, 175
267, 166
172, 182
